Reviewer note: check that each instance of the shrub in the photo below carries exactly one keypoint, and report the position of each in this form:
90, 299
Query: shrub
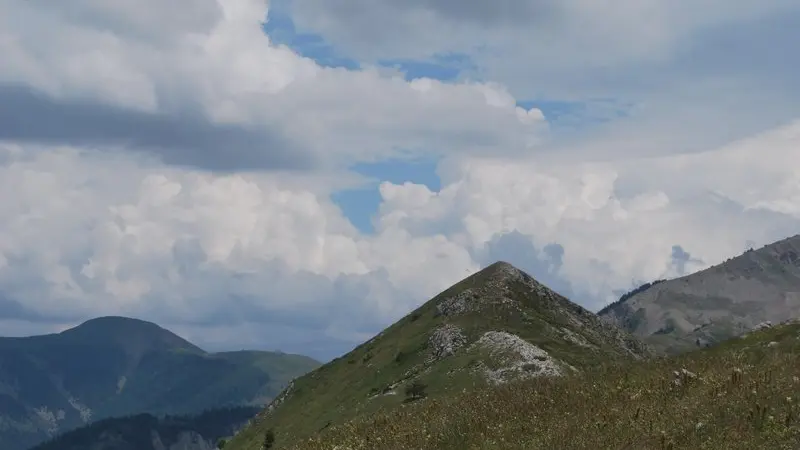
416, 390
269, 439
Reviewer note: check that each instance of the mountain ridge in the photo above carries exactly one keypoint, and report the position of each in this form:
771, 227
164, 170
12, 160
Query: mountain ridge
114, 366
716, 303
496, 326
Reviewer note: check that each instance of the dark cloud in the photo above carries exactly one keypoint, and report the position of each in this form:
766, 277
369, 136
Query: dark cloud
680, 258
185, 140
12, 309
555, 252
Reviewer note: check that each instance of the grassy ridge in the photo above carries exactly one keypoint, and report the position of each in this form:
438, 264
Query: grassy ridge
372, 377
741, 394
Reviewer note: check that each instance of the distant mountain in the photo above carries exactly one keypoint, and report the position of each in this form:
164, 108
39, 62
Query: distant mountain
496, 326
717, 303
116, 366
147, 432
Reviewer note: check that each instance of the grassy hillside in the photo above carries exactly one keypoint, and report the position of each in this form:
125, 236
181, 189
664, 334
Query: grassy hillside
495, 326
742, 394
117, 366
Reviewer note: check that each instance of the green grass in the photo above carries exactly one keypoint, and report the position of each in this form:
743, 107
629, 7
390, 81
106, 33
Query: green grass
350, 386
745, 396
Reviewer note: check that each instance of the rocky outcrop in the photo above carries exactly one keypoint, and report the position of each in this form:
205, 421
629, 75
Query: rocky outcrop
516, 358
445, 341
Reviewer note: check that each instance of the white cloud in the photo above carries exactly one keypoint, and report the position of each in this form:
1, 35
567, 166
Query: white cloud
94, 228
625, 214
218, 64
88, 234
688, 75
560, 37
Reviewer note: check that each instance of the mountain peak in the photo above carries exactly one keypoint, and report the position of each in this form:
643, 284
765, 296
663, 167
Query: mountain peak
501, 266
501, 269
499, 286
113, 321
136, 336
494, 326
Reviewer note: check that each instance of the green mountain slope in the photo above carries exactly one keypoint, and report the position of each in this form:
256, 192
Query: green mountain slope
496, 326
717, 303
115, 366
739, 395
147, 432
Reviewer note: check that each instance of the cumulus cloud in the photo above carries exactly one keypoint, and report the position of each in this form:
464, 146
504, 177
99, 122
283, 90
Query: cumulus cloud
89, 233
214, 92
615, 220
178, 166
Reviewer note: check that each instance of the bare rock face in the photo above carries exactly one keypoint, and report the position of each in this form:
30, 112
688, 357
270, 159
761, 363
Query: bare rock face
445, 341
457, 304
516, 357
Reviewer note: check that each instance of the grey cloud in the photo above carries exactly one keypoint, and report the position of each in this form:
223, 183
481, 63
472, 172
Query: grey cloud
183, 140
143, 19
12, 309
680, 258
290, 311
556, 254
756, 48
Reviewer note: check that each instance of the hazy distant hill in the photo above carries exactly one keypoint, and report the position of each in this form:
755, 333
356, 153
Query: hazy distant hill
717, 303
116, 366
495, 327
147, 432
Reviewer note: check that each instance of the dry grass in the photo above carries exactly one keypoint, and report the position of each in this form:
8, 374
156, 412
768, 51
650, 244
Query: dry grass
370, 379
743, 396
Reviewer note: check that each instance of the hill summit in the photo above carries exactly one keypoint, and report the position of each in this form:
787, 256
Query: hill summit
116, 366
495, 326
134, 336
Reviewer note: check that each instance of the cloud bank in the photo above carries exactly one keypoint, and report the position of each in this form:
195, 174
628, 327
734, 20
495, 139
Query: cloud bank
177, 165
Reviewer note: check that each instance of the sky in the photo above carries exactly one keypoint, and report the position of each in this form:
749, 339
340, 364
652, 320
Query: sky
298, 175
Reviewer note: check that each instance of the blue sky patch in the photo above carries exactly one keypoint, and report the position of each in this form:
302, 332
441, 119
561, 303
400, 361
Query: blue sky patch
359, 205
441, 67
281, 30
